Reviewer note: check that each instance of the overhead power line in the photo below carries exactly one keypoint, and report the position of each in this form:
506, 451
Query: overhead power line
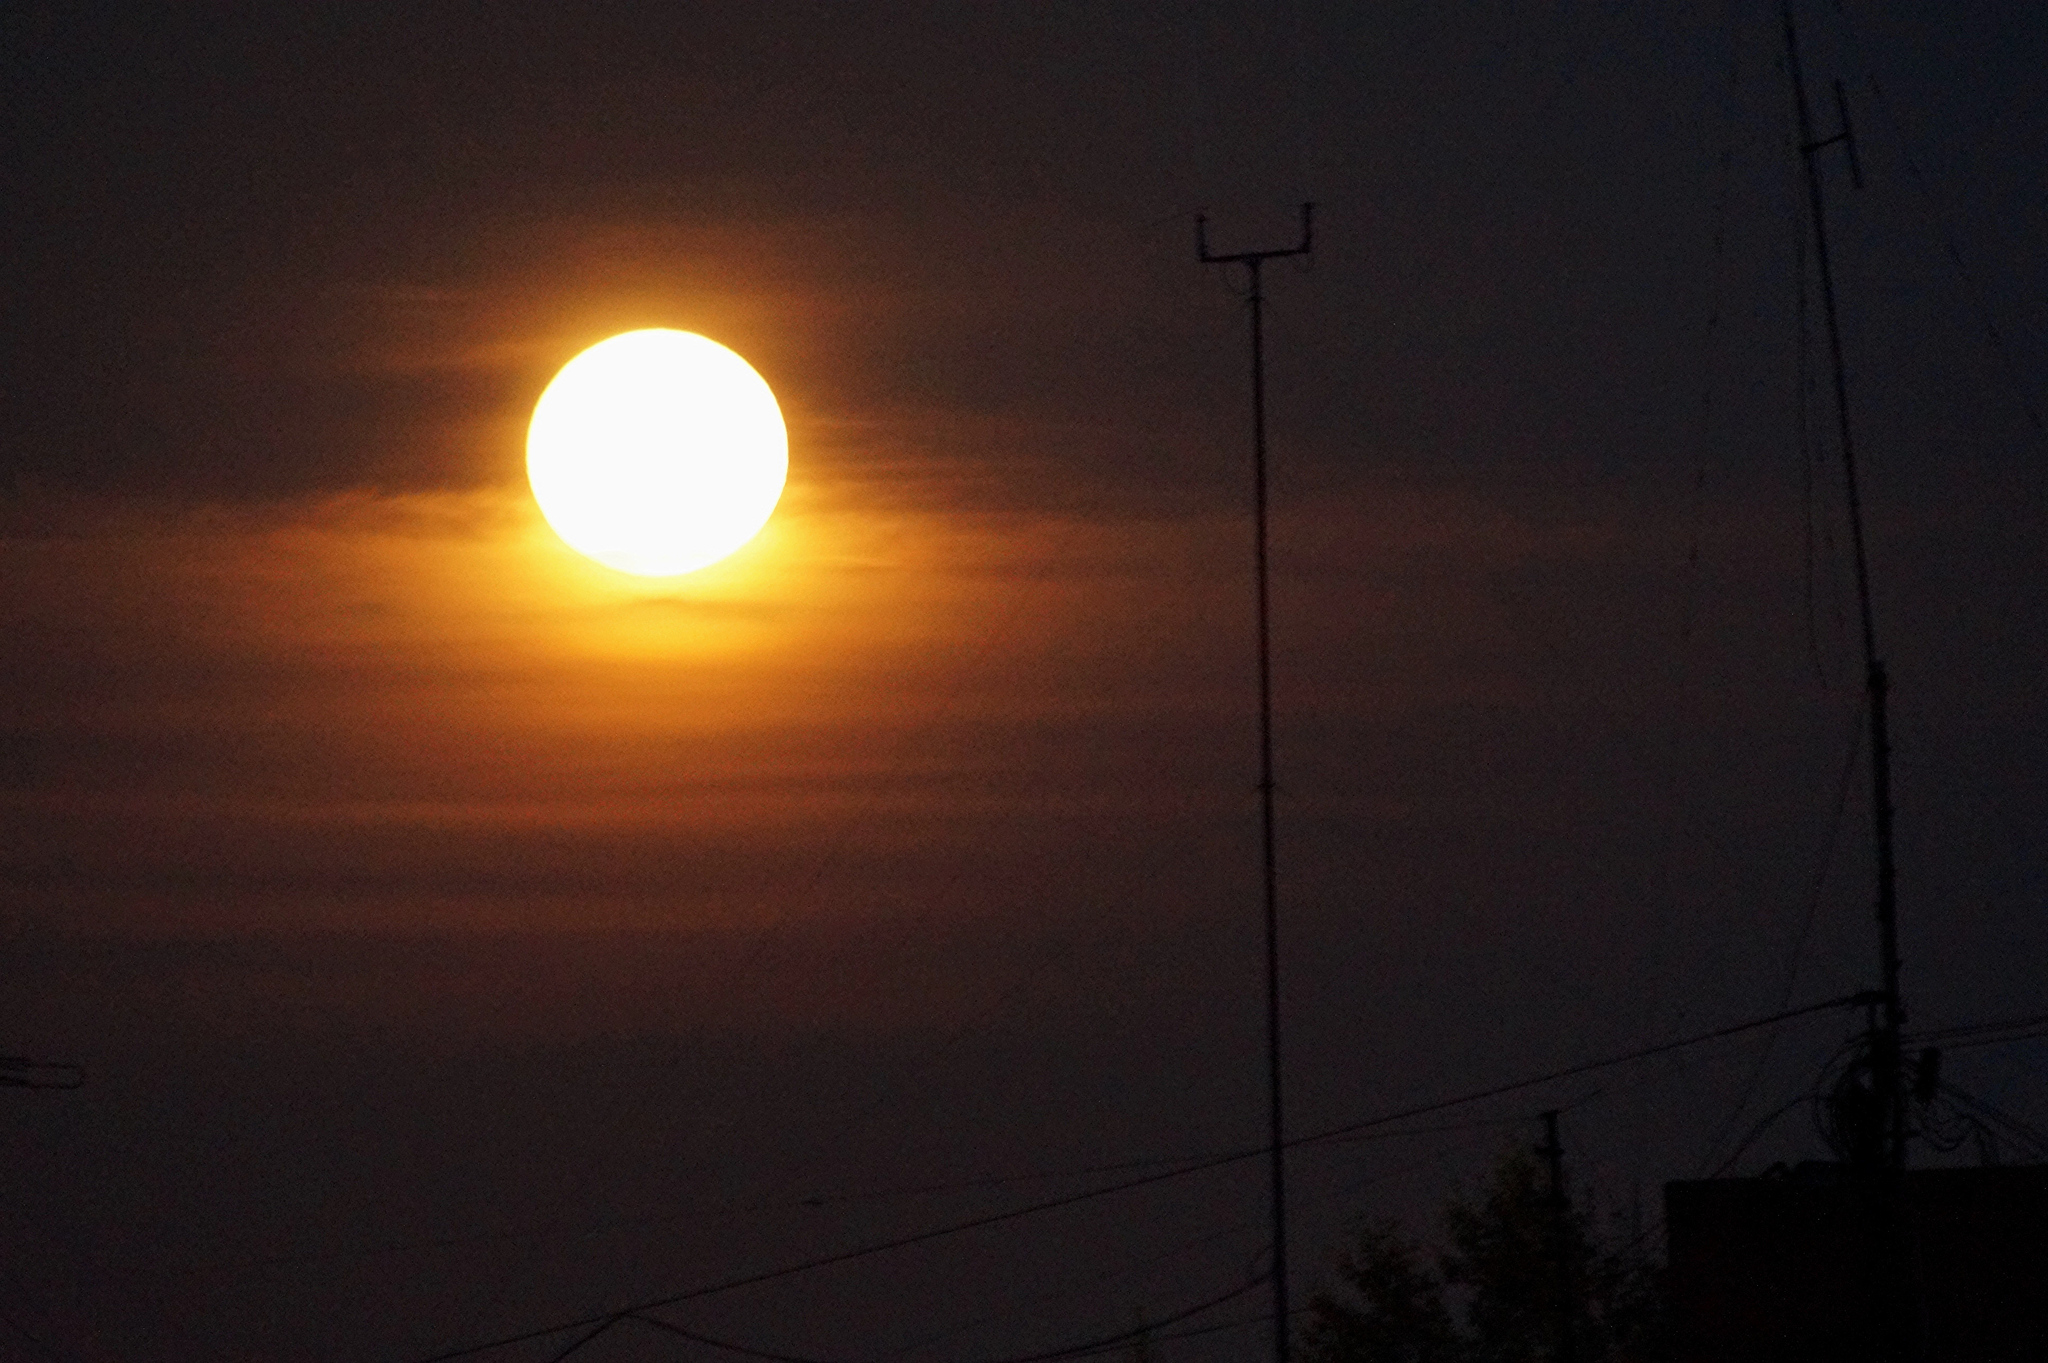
593, 1228
605, 1320
1982, 1033
1097, 1345
609, 1318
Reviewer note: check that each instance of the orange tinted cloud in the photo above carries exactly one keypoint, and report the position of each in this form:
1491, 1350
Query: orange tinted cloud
380, 708
422, 711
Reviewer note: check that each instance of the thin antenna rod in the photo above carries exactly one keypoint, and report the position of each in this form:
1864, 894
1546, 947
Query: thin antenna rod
1885, 1059
1276, 1131
1560, 1208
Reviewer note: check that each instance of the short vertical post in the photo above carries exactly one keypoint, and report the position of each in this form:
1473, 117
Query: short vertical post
1560, 1207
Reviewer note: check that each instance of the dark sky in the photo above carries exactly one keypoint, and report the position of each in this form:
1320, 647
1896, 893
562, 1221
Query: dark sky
460, 938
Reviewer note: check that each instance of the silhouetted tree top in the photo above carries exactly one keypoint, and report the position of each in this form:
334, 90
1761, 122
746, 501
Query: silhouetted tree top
1491, 1293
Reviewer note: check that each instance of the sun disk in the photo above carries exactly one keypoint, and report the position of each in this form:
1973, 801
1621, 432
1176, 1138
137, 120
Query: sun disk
657, 452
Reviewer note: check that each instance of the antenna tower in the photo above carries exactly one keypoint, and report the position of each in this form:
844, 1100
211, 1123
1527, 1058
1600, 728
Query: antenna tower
1255, 302
1888, 1091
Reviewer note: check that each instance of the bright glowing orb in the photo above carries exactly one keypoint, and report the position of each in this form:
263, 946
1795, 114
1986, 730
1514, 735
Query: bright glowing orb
657, 452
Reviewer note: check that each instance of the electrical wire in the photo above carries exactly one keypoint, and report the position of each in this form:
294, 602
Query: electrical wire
1974, 1044
1815, 886
591, 1229
1861, 999
1069, 1351
2025, 1132
1811, 447
2021, 391
605, 1320
1809, 456
597, 1323
1351, 1187
1756, 1132
1096, 1280
1196, 1331
1126, 1336
1956, 1038
712, 1341
761, 956
1708, 442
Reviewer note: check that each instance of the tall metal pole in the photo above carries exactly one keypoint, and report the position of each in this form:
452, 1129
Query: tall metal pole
1885, 1059
1895, 1317
1552, 1150
1275, 1124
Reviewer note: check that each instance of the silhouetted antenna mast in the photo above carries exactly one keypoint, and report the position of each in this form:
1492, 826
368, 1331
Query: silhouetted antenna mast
1559, 1206
1276, 1135
1888, 1091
